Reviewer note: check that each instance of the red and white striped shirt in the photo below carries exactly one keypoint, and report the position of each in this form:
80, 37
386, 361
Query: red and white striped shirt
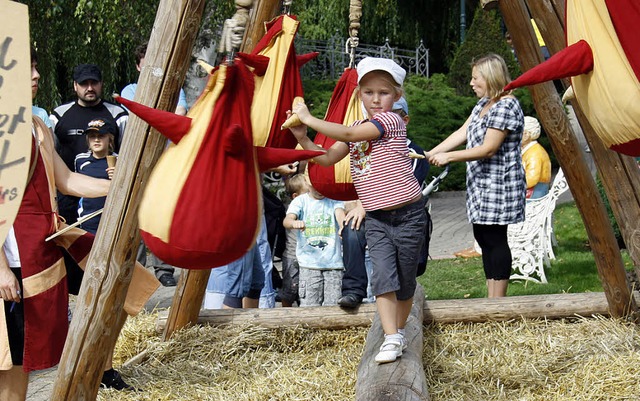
381, 168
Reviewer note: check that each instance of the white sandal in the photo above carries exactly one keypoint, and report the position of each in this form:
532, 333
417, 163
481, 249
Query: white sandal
390, 350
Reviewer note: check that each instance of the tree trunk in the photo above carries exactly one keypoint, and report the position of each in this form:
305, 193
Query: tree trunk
565, 145
96, 324
402, 380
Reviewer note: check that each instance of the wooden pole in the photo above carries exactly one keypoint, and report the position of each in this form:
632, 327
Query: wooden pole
404, 379
193, 283
261, 12
565, 146
187, 300
620, 175
473, 310
96, 323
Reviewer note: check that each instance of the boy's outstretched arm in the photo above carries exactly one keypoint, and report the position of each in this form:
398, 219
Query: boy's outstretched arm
291, 221
339, 132
333, 155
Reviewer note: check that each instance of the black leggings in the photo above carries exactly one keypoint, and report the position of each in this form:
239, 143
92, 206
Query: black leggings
496, 254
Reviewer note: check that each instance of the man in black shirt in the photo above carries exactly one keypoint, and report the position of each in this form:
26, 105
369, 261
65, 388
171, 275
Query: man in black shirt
70, 119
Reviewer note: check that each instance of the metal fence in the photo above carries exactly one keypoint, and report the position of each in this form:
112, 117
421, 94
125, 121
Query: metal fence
333, 58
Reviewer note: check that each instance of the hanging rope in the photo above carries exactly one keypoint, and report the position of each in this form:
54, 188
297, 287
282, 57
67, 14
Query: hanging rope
234, 28
286, 7
355, 13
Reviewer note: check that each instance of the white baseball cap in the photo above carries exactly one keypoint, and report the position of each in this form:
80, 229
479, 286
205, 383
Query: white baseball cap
369, 64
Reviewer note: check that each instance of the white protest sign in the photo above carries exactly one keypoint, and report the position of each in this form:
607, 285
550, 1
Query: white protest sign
15, 110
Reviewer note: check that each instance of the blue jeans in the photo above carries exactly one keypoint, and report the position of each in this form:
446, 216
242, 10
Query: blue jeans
249, 275
354, 247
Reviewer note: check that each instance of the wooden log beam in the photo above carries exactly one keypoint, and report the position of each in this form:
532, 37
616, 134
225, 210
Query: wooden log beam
315, 317
187, 300
621, 176
403, 380
565, 146
472, 310
97, 318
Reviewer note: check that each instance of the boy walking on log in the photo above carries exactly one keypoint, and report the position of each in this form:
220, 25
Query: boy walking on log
389, 192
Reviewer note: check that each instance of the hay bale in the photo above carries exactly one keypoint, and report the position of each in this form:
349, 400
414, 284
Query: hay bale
521, 359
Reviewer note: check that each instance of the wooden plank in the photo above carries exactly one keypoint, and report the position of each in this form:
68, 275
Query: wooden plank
565, 146
97, 319
402, 380
472, 310
194, 283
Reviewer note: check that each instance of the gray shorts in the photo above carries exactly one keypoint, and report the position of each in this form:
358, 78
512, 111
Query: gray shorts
320, 287
395, 239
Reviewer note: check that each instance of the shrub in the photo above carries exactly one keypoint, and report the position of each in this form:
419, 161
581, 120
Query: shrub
484, 36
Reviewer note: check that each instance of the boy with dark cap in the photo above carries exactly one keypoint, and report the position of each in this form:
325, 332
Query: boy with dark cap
100, 140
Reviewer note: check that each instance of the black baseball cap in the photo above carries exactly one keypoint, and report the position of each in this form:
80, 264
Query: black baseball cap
84, 72
100, 126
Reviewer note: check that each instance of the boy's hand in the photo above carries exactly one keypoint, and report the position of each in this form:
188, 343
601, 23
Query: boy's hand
302, 111
355, 217
299, 224
299, 131
110, 172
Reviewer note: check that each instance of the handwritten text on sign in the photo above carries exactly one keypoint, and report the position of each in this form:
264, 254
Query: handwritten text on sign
15, 110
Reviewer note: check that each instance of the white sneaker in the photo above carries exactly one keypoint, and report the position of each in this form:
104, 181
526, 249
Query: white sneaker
390, 350
405, 343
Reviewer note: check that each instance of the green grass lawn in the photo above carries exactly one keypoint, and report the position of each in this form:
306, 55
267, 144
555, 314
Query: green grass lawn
573, 271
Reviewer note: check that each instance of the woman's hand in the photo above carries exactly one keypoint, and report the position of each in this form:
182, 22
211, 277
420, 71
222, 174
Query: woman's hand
439, 159
110, 172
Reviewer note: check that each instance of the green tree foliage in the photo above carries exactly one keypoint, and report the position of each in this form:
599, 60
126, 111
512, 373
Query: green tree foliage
67, 33
484, 36
104, 32
404, 23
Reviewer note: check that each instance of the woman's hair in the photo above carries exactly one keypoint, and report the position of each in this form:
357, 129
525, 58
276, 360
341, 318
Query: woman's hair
296, 183
494, 71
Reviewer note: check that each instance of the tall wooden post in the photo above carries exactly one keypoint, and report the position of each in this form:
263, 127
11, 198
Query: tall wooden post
620, 175
262, 11
565, 146
187, 300
97, 318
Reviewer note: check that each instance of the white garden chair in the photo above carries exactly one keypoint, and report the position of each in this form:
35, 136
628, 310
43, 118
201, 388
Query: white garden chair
532, 241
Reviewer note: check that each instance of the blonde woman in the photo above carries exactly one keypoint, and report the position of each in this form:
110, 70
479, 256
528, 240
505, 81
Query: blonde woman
495, 176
